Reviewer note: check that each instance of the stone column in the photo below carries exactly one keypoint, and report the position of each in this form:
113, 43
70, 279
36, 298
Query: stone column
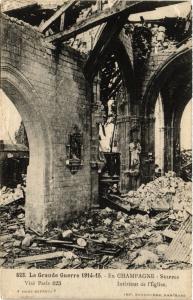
96, 119
123, 136
127, 126
172, 148
148, 148
177, 146
169, 148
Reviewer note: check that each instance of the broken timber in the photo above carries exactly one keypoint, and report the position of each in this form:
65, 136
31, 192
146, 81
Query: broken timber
58, 242
41, 257
111, 30
101, 17
57, 14
88, 24
116, 206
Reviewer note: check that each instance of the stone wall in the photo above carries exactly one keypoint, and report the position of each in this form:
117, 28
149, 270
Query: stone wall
50, 92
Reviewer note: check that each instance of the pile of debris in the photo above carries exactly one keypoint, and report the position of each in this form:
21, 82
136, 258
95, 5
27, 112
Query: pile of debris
10, 195
101, 239
186, 157
166, 193
186, 165
105, 238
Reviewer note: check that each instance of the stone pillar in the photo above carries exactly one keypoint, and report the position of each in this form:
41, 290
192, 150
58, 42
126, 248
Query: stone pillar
123, 138
126, 126
170, 146
148, 148
177, 146
97, 114
161, 152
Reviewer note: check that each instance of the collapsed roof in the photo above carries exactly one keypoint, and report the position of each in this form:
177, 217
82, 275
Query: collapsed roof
38, 12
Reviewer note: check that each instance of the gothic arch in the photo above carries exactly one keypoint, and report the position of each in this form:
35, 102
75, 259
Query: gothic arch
173, 81
165, 71
24, 97
126, 102
124, 61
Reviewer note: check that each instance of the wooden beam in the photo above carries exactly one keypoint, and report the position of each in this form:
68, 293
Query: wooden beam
99, 3
110, 31
94, 20
40, 257
56, 15
62, 19
103, 16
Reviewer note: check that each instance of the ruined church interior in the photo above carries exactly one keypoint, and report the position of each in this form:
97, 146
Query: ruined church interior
95, 134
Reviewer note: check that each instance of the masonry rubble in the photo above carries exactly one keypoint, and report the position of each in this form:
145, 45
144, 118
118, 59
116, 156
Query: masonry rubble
9, 195
105, 238
165, 193
186, 164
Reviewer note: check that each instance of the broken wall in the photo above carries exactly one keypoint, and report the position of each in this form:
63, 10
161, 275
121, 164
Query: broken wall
49, 90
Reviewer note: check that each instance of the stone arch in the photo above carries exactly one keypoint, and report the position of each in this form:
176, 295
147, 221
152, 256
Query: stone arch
127, 70
126, 114
162, 75
170, 80
124, 61
24, 97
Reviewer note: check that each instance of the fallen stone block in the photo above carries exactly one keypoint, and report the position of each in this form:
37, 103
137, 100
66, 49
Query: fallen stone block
21, 216
17, 243
145, 257
27, 241
67, 234
107, 221
20, 233
161, 249
81, 242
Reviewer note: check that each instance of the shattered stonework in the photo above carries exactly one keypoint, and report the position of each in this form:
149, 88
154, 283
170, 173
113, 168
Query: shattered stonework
105, 238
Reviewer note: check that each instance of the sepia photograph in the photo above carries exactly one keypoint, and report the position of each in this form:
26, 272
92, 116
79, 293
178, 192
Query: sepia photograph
96, 140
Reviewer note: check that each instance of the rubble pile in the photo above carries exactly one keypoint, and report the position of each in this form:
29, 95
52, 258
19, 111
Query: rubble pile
186, 157
9, 195
102, 238
141, 41
166, 193
186, 165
